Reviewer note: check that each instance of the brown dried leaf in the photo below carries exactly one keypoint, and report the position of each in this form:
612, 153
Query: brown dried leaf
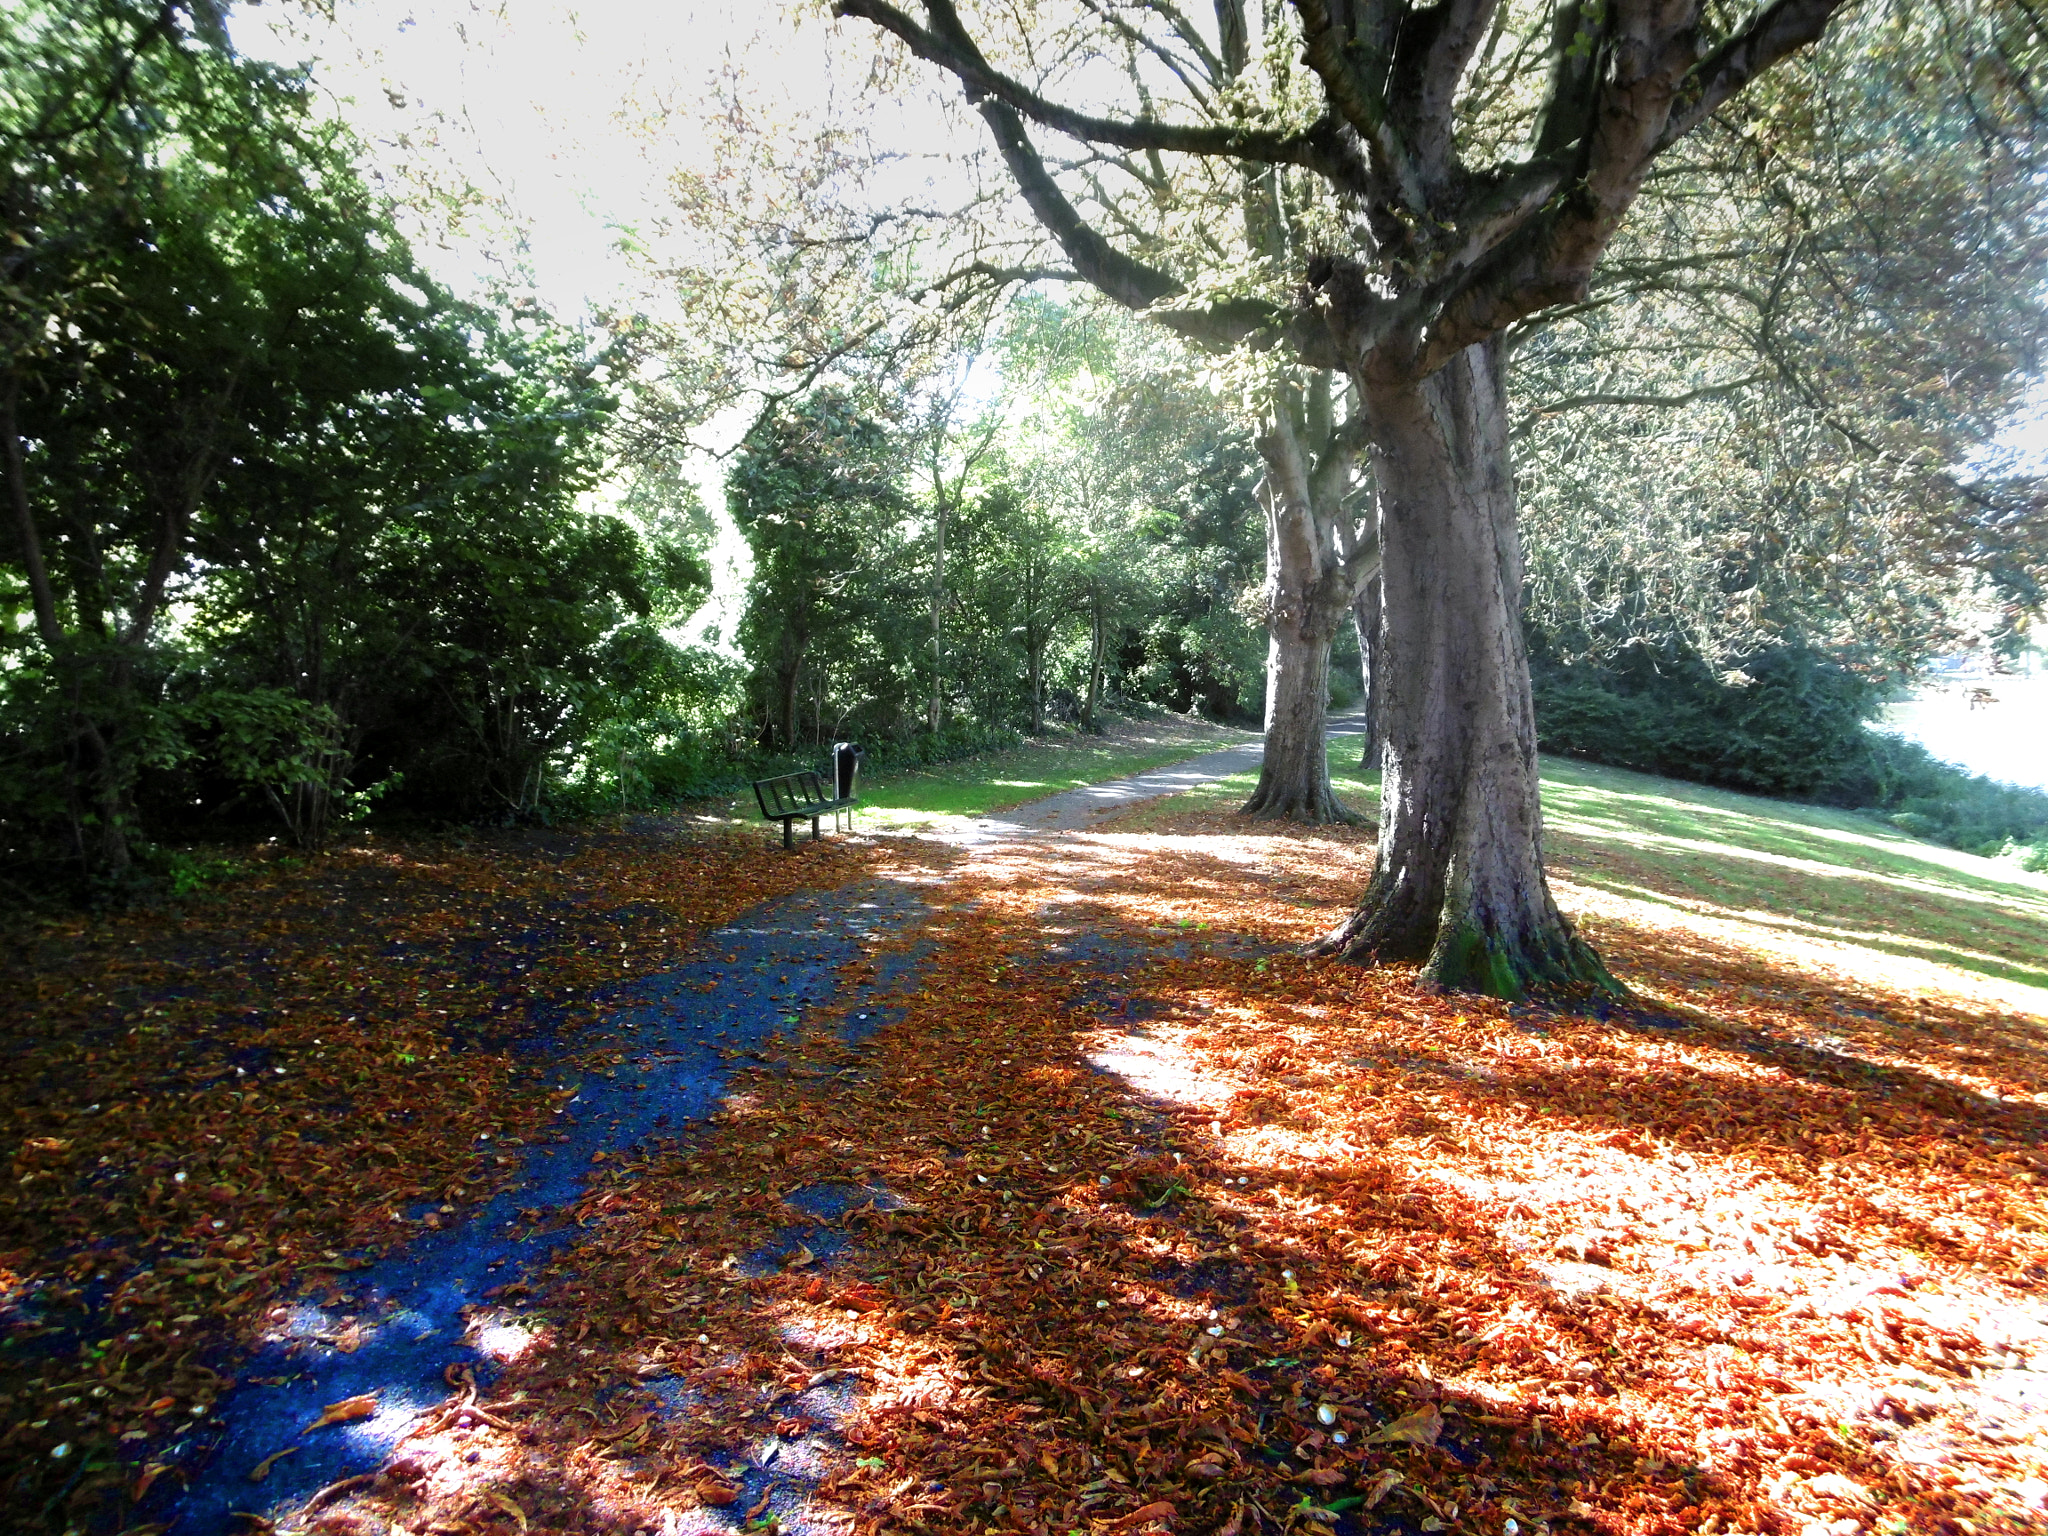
1381, 1486
347, 1411
1159, 1509
262, 1468
1418, 1428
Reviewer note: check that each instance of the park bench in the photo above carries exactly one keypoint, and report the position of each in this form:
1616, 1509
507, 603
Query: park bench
793, 797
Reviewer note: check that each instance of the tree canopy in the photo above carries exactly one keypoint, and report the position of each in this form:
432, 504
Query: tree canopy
1401, 194
296, 535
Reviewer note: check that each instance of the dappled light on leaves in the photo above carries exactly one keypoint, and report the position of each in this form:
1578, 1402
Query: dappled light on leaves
1138, 1221
213, 1105
1130, 1219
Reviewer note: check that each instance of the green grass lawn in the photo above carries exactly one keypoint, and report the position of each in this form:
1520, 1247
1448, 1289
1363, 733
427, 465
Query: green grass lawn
1801, 869
912, 799
1359, 791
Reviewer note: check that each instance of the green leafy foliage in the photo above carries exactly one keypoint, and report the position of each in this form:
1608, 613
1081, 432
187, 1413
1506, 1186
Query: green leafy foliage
290, 527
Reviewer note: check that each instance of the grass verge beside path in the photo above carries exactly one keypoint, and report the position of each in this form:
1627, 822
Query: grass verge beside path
919, 799
1798, 879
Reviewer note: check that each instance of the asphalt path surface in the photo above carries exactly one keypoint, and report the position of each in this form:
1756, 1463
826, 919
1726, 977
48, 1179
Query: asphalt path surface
1076, 810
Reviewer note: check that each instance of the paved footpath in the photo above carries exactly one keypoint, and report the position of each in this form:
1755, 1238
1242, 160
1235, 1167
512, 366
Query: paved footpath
1076, 809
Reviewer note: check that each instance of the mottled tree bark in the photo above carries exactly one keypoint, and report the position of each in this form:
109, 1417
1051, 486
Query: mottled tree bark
1458, 882
1310, 580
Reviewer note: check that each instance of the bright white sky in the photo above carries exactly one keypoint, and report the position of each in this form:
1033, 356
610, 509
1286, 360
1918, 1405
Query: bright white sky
526, 95
540, 103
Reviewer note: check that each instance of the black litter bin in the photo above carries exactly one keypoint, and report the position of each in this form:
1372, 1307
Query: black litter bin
846, 758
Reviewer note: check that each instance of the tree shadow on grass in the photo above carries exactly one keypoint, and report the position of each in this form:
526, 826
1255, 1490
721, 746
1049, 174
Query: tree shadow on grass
1862, 886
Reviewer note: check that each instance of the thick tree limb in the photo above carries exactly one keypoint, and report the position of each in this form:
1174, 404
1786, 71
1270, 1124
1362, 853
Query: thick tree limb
1573, 69
1774, 33
1627, 79
1124, 278
947, 44
1328, 48
1432, 59
1649, 93
1130, 282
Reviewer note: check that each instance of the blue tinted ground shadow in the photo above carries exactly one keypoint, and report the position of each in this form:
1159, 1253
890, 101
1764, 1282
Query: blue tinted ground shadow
678, 1031
828, 1242
777, 1473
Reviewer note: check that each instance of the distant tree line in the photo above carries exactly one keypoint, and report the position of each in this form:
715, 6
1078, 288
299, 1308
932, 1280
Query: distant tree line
1085, 539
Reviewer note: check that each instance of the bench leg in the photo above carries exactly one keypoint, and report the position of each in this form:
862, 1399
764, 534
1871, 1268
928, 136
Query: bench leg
814, 829
786, 841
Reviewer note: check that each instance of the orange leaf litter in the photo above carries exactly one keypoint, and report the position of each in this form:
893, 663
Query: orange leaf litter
1164, 1228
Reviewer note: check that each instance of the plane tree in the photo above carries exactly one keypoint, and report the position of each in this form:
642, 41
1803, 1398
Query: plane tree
1442, 175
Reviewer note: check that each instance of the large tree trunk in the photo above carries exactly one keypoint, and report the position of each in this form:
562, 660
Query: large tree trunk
1365, 620
105, 849
1306, 596
1294, 774
1458, 882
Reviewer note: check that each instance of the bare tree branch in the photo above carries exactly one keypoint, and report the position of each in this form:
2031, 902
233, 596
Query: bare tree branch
1580, 402
946, 43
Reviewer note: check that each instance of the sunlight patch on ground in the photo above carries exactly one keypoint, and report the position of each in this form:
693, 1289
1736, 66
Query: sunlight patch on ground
2027, 894
505, 1341
1708, 1245
1834, 960
1838, 932
1144, 1149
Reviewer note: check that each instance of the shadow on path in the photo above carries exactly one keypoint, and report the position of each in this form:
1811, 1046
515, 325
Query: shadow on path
400, 1327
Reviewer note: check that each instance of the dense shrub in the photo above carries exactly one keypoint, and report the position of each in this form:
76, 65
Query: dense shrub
1787, 725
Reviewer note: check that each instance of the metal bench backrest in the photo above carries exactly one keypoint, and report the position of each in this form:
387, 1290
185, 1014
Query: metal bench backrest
788, 795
